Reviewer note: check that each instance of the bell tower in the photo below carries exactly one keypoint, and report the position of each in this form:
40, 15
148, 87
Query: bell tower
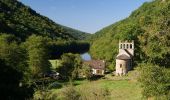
128, 46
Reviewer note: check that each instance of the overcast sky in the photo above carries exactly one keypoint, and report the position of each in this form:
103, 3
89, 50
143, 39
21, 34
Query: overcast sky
85, 15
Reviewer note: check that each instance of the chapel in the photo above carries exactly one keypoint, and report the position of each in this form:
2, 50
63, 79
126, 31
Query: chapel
124, 59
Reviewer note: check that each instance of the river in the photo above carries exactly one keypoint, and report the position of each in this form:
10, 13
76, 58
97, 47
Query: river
86, 56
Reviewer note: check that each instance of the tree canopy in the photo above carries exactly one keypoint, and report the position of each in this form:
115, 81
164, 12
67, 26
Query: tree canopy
38, 56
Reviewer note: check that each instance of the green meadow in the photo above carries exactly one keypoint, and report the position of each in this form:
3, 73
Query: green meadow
117, 88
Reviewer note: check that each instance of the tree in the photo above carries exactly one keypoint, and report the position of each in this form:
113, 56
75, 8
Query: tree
9, 81
155, 81
22, 21
71, 64
37, 47
86, 71
13, 71
12, 52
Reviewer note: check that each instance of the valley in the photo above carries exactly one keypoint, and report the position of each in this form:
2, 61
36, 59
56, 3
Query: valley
43, 60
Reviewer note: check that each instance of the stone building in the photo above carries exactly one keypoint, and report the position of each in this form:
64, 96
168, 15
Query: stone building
125, 57
97, 66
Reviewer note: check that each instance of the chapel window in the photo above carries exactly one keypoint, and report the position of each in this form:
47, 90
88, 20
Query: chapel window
120, 65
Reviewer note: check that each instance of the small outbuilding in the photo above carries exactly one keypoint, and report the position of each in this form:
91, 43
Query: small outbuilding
125, 57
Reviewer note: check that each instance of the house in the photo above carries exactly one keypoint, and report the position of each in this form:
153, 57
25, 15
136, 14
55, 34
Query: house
97, 66
124, 58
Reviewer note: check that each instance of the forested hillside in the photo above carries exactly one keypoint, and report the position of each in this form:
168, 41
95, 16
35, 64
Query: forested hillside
148, 26
29, 41
22, 21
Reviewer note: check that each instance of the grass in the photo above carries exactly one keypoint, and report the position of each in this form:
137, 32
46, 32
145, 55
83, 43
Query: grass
55, 63
120, 88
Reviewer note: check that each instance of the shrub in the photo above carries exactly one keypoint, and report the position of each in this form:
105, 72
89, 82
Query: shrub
154, 81
94, 92
69, 93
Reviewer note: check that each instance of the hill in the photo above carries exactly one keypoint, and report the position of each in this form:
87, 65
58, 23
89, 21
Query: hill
148, 26
22, 21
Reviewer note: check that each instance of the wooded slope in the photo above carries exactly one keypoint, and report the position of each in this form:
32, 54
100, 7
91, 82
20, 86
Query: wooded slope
149, 26
22, 21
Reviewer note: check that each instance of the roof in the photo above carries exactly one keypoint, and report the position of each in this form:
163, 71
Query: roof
123, 57
96, 64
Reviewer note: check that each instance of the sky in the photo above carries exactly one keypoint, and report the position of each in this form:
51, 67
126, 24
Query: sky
85, 15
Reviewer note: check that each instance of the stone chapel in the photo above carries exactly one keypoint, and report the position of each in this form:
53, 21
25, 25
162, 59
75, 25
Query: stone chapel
125, 57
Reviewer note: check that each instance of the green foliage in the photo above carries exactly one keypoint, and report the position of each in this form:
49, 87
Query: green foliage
148, 26
111, 67
155, 80
37, 47
12, 53
69, 93
103, 89
13, 71
55, 64
57, 48
10, 80
71, 64
30, 58
86, 71
22, 21
55, 85
94, 93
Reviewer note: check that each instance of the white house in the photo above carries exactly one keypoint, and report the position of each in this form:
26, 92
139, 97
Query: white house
97, 66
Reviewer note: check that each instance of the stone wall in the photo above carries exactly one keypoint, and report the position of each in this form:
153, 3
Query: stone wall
122, 66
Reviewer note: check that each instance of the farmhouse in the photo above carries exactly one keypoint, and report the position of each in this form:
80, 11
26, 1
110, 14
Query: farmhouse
97, 66
125, 57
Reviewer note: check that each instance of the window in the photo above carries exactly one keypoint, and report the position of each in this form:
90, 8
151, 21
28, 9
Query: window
120, 46
130, 46
123, 46
98, 71
120, 65
127, 46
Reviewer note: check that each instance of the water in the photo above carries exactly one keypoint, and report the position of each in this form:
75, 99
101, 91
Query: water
86, 56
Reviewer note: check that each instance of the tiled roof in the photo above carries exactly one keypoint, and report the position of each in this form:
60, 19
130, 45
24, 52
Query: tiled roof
96, 64
123, 57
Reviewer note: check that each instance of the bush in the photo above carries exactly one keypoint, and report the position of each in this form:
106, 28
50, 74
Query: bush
155, 81
54, 85
70, 65
69, 93
86, 71
94, 92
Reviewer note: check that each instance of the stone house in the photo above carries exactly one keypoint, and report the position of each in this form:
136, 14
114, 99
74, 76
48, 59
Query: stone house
97, 66
125, 57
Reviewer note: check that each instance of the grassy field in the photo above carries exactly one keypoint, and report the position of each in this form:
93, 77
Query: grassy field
119, 88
